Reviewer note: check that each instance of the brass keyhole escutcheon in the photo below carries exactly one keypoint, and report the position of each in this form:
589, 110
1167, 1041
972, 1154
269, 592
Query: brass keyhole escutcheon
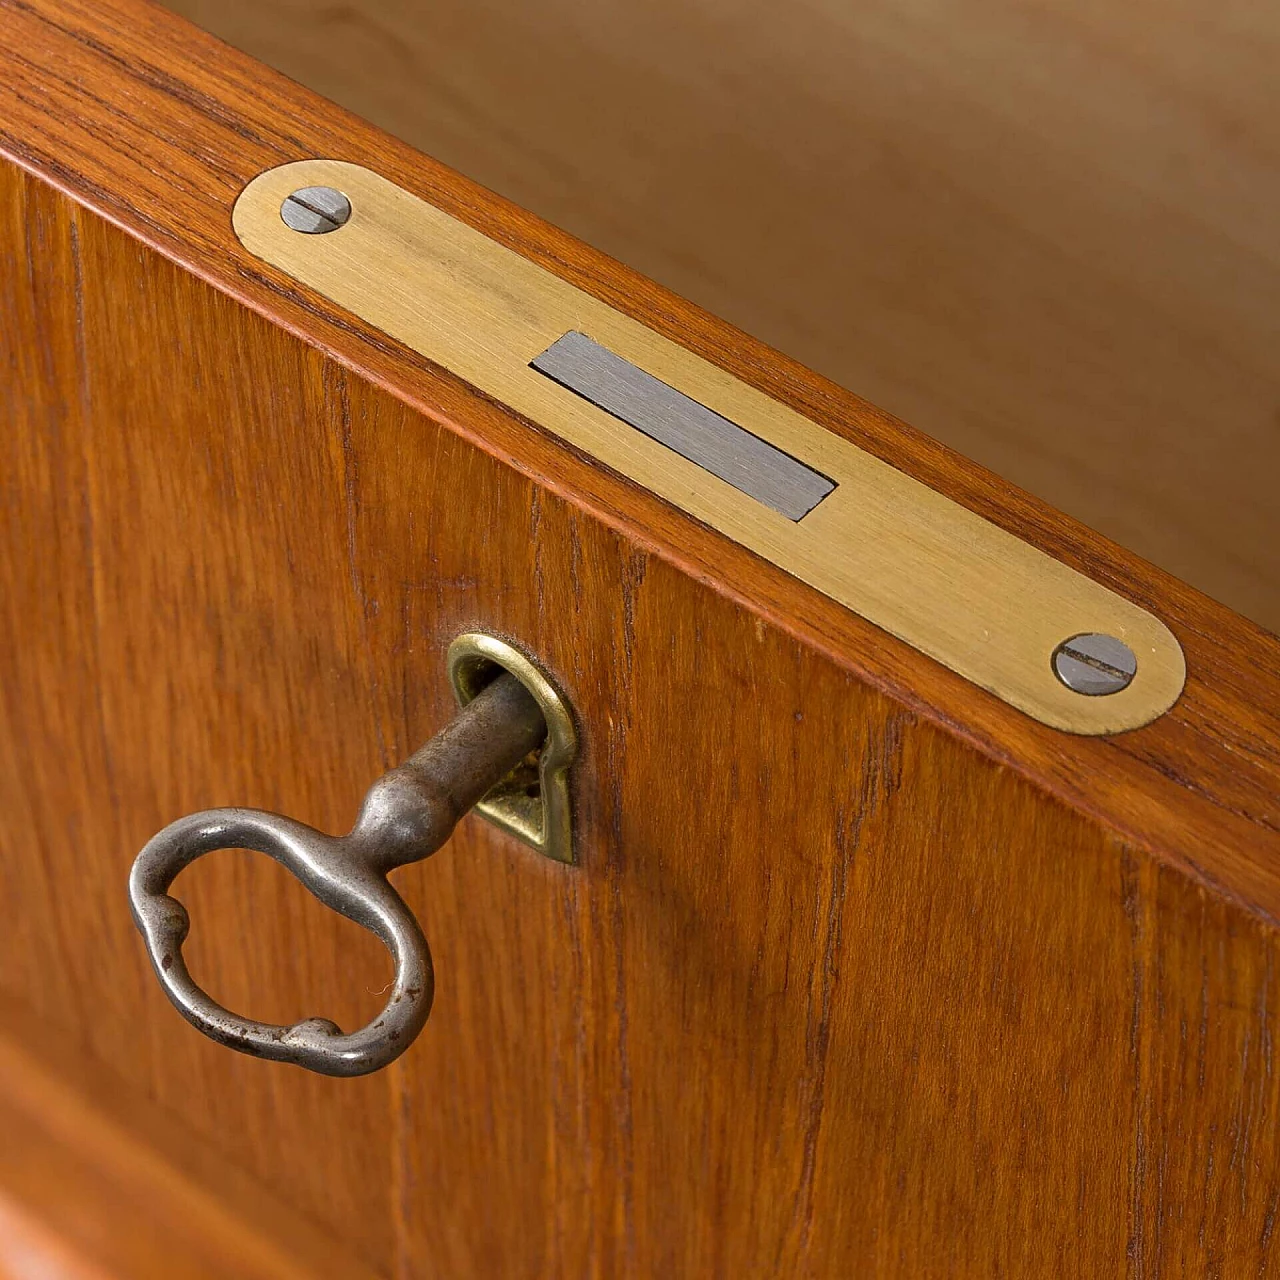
532, 802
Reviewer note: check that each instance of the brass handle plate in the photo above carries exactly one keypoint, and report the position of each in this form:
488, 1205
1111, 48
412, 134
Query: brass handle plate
978, 599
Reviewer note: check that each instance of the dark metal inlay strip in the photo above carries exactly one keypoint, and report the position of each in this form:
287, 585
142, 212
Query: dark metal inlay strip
695, 432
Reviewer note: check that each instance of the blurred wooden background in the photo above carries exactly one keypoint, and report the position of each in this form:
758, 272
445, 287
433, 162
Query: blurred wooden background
1045, 232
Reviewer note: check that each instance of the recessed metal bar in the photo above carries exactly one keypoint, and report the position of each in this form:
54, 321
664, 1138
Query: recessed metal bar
670, 417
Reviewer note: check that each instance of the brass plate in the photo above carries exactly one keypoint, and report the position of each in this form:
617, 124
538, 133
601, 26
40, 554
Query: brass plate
978, 599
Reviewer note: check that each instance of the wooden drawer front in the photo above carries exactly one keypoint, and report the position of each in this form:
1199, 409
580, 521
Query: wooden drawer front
860, 971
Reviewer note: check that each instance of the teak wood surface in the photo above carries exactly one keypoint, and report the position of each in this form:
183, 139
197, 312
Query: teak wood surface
861, 972
96, 1185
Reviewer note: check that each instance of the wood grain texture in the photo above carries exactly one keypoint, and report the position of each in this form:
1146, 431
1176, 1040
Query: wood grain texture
184, 136
93, 1186
861, 971
1041, 232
